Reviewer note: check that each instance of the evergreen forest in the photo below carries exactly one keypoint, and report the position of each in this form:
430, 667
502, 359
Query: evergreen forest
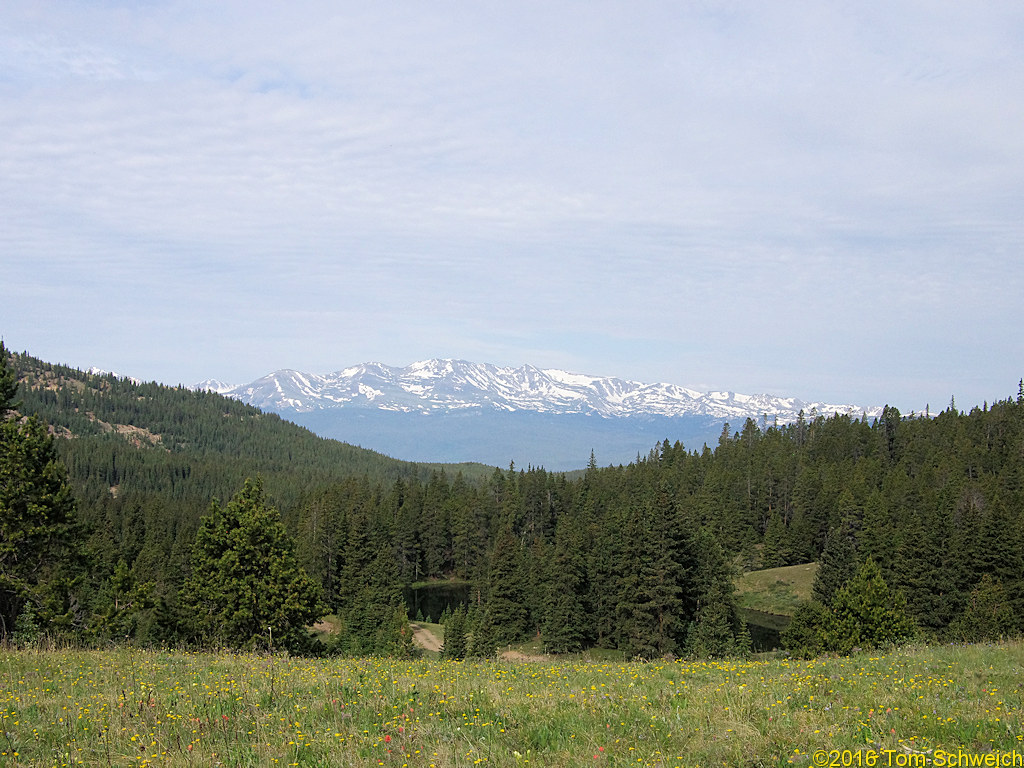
137, 512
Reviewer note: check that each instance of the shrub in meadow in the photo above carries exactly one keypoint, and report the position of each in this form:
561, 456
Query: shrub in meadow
866, 613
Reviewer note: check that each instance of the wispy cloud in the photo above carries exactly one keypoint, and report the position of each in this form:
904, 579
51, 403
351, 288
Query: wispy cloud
755, 197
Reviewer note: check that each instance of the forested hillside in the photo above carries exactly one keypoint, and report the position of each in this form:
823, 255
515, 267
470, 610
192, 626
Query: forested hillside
204, 445
922, 514
145, 461
641, 557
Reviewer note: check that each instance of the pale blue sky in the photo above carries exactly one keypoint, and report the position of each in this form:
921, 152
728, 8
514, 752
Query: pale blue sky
819, 199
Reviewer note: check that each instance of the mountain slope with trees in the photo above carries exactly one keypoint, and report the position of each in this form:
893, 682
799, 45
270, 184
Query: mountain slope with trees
915, 522
642, 557
144, 462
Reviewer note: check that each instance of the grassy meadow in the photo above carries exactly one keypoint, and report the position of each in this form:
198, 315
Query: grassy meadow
129, 707
776, 590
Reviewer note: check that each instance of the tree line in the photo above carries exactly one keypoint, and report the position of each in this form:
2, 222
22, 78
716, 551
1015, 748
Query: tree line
922, 510
920, 514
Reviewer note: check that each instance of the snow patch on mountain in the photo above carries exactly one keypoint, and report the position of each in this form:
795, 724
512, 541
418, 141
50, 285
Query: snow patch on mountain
441, 386
213, 385
94, 371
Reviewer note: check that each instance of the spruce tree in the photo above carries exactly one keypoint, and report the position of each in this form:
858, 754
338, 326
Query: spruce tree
41, 556
804, 636
246, 588
1000, 549
712, 633
505, 618
377, 619
837, 565
989, 614
776, 551
455, 640
8, 384
565, 619
651, 605
483, 643
866, 613
715, 617
604, 573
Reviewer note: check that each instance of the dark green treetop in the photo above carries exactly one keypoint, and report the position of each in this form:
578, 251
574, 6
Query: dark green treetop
455, 640
8, 383
246, 588
40, 554
866, 613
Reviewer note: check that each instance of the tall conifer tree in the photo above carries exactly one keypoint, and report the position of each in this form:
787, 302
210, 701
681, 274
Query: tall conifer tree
40, 550
505, 617
866, 613
246, 588
565, 585
455, 640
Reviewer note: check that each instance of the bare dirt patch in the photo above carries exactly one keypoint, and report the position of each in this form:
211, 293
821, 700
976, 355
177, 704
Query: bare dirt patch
424, 638
137, 435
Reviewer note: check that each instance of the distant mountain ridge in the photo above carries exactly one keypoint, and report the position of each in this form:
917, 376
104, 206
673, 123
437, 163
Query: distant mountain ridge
458, 411
436, 386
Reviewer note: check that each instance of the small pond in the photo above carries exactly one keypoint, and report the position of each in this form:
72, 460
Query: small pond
765, 628
431, 599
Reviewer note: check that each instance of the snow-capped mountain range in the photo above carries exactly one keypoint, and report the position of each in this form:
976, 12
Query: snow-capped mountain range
455, 411
446, 386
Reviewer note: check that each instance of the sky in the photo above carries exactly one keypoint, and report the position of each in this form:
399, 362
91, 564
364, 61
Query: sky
813, 199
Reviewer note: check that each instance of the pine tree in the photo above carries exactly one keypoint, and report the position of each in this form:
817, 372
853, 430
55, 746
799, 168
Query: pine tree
41, 557
505, 619
565, 619
837, 565
988, 616
804, 636
124, 604
455, 640
866, 613
246, 588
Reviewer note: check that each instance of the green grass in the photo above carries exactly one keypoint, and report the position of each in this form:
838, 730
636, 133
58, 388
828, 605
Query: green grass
436, 629
141, 708
776, 590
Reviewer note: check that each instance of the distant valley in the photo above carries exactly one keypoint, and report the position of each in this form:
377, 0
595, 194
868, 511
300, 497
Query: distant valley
454, 411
